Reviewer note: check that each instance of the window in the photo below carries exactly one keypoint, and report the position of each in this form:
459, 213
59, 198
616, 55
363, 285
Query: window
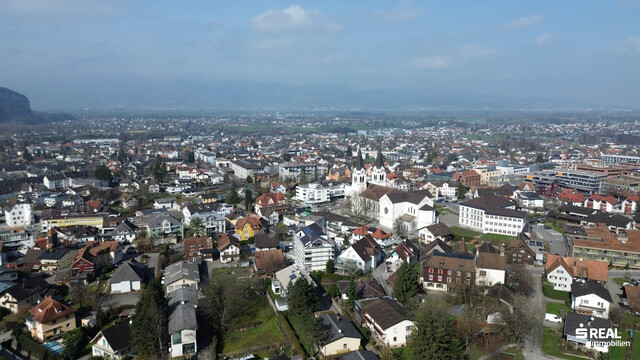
430, 270
176, 338
483, 273
439, 271
344, 346
449, 279
449, 272
430, 277
439, 278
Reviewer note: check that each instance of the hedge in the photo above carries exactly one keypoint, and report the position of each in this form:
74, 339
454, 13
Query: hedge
286, 326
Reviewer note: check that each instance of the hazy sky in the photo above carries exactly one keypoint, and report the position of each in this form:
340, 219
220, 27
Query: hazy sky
581, 50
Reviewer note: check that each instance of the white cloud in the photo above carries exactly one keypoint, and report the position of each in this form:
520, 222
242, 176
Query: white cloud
526, 21
271, 45
631, 45
543, 39
405, 11
293, 18
476, 52
434, 62
54, 8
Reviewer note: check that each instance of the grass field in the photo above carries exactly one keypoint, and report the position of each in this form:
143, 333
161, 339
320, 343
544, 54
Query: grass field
459, 233
620, 352
550, 344
266, 333
495, 238
514, 351
547, 289
557, 309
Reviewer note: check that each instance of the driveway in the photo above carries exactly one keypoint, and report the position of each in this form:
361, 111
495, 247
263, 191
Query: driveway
614, 289
554, 238
115, 300
381, 275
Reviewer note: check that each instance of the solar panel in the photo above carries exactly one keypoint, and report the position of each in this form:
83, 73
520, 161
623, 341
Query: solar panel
292, 276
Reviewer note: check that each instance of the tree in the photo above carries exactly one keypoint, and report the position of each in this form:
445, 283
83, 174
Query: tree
520, 279
234, 198
149, 328
122, 156
191, 157
196, 225
386, 353
522, 319
405, 286
74, 341
433, 336
361, 208
349, 152
539, 158
249, 179
312, 330
468, 294
468, 325
158, 169
352, 294
102, 172
248, 199
461, 191
301, 296
26, 155
330, 267
79, 293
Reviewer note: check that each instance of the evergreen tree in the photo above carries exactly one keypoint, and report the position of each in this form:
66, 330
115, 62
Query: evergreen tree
248, 200
149, 328
405, 286
330, 268
461, 191
351, 293
433, 337
301, 297
349, 151
102, 172
234, 198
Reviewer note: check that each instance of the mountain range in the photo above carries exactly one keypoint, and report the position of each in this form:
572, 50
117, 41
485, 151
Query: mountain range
16, 109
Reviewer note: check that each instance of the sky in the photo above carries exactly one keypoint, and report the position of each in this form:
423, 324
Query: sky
580, 50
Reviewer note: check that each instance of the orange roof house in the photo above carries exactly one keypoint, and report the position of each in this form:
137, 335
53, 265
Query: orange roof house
51, 318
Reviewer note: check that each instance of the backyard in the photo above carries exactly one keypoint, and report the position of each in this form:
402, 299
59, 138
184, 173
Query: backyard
460, 233
495, 238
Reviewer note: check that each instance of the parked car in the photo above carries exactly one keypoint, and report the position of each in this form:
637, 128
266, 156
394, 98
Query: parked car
552, 318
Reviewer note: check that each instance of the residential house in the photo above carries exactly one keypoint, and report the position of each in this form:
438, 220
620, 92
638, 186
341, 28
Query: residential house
630, 204
631, 298
164, 203
54, 258
365, 288
162, 225
212, 221
590, 298
128, 201
342, 336
518, 252
530, 200
405, 251
599, 243
572, 197
491, 265
24, 294
91, 258
564, 271
268, 261
430, 233
113, 342
443, 271
389, 322
268, 199
574, 321
364, 255
312, 248
126, 231
266, 242
183, 326
287, 277
468, 178
198, 247
50, 319
441, 189
230, 249
601, 202
436, 245
18, 212
128, 277
358, 355
181, 274
248, 226
380, 236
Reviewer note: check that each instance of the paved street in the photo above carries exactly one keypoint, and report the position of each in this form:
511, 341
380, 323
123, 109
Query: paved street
554, 238
380, 273
449, 219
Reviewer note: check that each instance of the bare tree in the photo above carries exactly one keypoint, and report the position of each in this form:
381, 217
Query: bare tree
523, 319
468, 325
362, 209
520, 279
79, 293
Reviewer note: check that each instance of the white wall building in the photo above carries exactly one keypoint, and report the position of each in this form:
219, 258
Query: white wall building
19, 213
492, 214
312, 248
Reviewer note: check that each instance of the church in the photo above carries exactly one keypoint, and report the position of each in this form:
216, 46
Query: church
372, 197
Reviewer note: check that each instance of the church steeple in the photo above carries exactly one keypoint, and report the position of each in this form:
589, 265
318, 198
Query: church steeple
359, 161
379, 159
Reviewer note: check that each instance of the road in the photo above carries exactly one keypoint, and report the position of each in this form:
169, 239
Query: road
381, 275
554, 238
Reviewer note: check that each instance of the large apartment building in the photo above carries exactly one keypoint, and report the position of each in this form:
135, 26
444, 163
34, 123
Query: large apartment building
599, 243
492, 214
312, 248
297, 171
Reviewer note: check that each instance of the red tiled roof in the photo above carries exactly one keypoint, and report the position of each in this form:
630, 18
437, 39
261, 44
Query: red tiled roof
49, 310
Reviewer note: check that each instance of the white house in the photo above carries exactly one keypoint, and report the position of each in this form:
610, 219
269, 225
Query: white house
590, 298
229, 248
113, 342
388, 321
490, 268
19, 213
564, 271
577, 330
365, 255
128, 277
183, 325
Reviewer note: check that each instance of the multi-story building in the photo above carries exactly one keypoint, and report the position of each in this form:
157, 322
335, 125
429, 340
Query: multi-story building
492, 214
599, 243
243, 168
468, 178
614, 159
627, 181
297, 172
443, 271
312, 248
564, 271
389, 322
316, 194
586, 181
19, 213
50, 318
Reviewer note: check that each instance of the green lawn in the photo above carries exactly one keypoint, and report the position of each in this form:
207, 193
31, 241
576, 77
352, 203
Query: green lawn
495, 238
557, 309
636, 348
547, 289
296, 324
550, 344
255, 312
620, 352
459, 233
267, 333
475, 352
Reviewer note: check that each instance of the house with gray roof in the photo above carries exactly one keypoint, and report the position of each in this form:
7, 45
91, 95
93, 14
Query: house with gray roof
183, 325
342, 335
113, 342
128, 277
312, 248
181, 274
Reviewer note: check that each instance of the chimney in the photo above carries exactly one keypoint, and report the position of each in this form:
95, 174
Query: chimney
502, 250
